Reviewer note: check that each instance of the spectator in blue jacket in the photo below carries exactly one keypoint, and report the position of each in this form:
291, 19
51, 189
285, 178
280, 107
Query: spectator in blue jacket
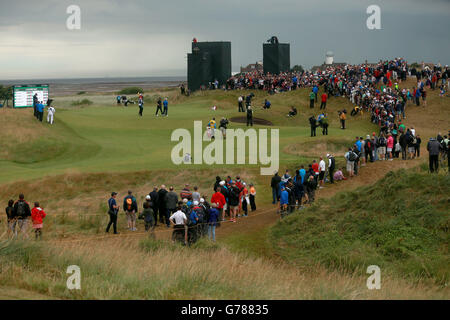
284, 199
358, 144
212, 221
40, 111
166, 107
316, 91
302, 173
294, 82
193, 220
418, 94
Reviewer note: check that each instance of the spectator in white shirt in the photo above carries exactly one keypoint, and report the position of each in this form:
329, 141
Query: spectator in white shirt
322, 169
50, 114
241, 104
178, 220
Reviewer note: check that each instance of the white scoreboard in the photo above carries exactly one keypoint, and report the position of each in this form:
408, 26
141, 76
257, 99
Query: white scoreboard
23, 95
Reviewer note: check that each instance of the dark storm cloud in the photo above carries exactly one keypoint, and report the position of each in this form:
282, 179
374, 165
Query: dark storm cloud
140, 37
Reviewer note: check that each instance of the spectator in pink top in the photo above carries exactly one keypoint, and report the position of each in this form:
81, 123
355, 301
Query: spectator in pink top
390, 146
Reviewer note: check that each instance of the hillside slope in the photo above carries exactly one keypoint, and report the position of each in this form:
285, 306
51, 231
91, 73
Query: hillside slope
400, 223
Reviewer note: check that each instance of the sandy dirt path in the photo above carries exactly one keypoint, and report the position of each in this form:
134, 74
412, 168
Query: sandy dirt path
267, 216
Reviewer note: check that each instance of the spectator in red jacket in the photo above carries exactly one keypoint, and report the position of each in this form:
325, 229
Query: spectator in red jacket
239, 183
323, 105
315, 167
37, 216
433, 82
219, 199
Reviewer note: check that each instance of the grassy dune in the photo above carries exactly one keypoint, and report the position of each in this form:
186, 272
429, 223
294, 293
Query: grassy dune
401, 224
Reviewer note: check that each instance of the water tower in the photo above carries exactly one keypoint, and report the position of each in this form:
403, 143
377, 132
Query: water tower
329, 57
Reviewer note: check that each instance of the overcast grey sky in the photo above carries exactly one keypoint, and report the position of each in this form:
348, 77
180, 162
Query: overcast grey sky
151, 38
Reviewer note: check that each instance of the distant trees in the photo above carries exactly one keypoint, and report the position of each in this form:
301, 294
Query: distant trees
84, 102
297, 68
415, 65
131, 90
6, 94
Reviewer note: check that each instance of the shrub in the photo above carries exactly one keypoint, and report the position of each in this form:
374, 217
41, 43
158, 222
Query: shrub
205, 244
84, 102
131, 90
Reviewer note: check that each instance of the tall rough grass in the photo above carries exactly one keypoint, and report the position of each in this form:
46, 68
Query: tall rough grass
126, 270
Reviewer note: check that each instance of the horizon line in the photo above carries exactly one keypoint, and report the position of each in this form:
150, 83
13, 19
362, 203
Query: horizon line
92, 77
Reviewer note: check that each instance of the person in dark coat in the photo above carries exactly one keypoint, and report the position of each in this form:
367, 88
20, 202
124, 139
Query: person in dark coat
312, 123
159, 107
35, 102
299, 189
434, 148
148, 217
249, 116
22, 213
162, 205
171, 203
217, 183
154, 195
275, 185
403, 143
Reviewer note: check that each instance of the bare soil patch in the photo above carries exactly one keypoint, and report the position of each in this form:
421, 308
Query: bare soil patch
260, 121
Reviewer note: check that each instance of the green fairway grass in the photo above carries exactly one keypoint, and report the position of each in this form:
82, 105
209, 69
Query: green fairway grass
106, 137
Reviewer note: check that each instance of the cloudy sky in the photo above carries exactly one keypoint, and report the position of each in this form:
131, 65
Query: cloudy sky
151, 38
